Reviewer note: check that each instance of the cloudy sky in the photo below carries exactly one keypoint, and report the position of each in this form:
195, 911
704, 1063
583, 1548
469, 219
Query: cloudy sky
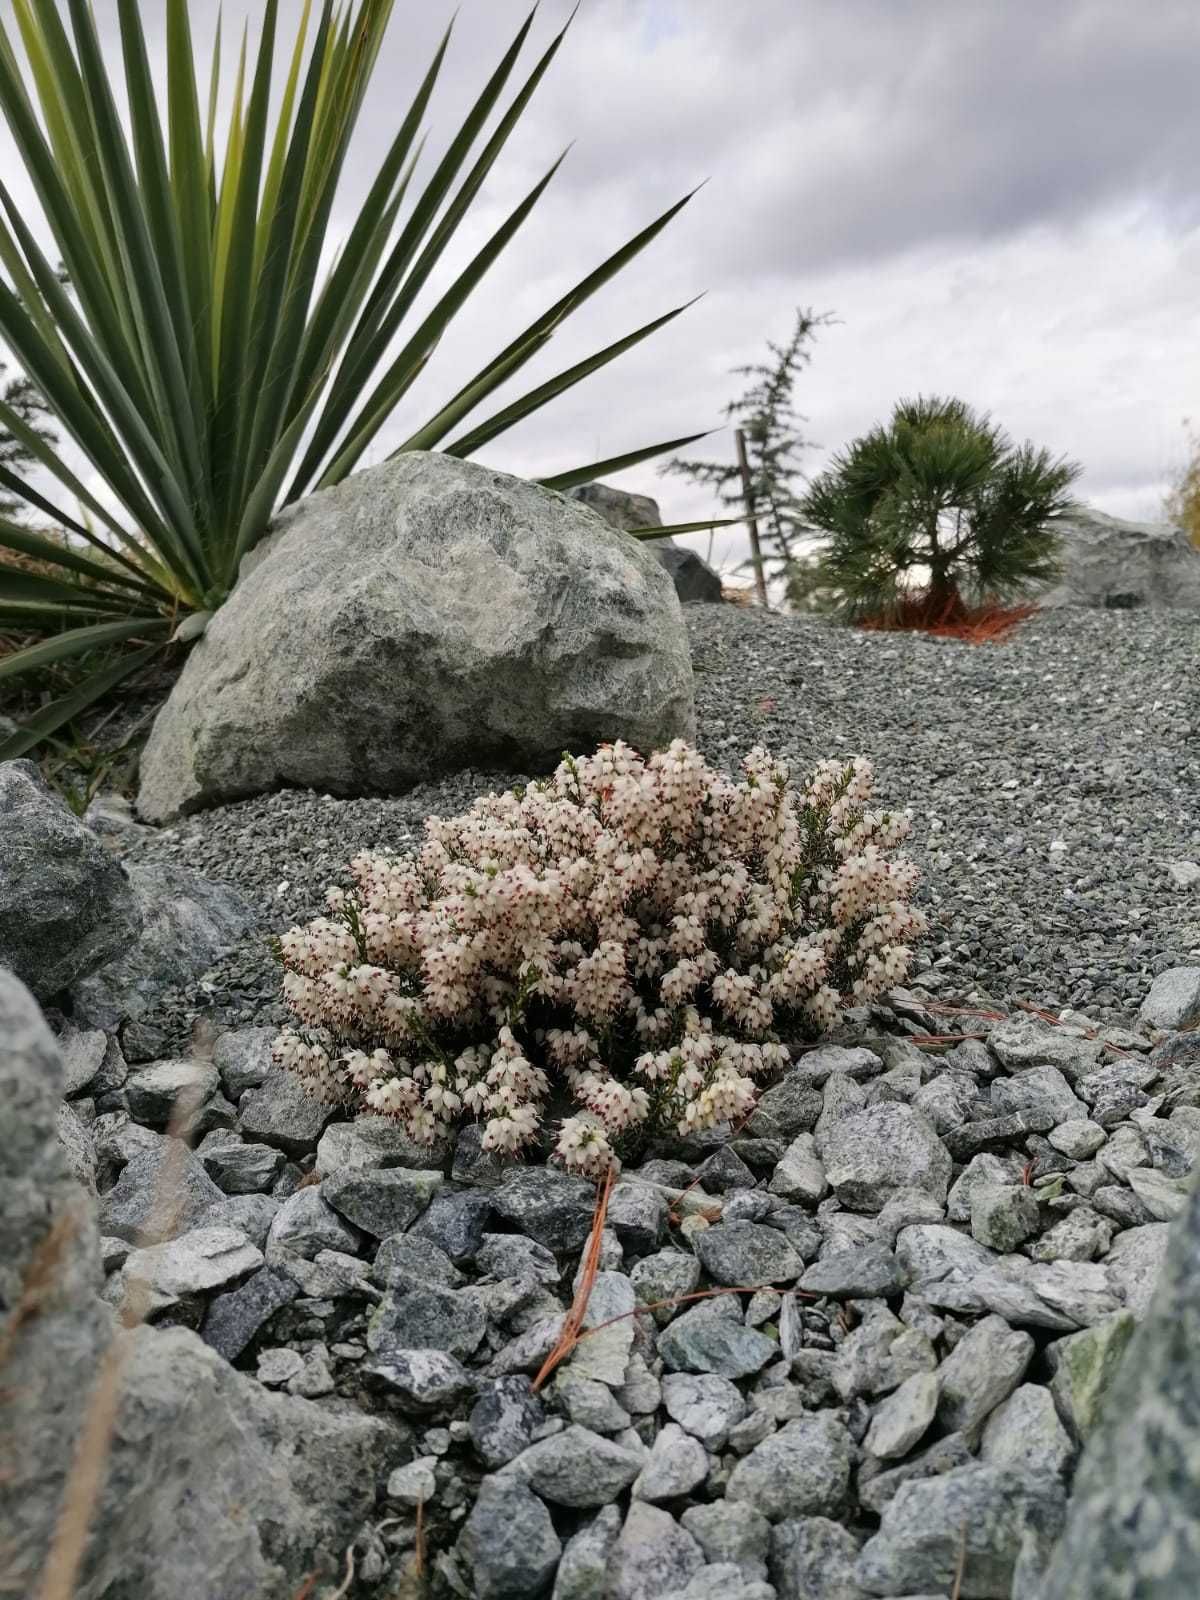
994, 198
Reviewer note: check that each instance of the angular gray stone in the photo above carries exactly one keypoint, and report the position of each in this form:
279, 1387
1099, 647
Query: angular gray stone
420, 1380
83, 1053
879, 1355
903, 1418
788, 1108
455, 1220
746, 1254
238, 1168
550, 1207
188, 924
1025, 1042
990, 1510
403, 1259
77, 1145
371, 1141
813, 1558
665, 1276
871, 1154
582, 1571
706, 1340
161, 1193
242, 1057
280, 1113
983, 1171
305, 1224
1083, 1370
1162, 1196
1081, 1235
803, 1470
604, 1354
706, 1405
800, 1174
652, 1556
504, 1418
1174, 999
637, 1215
620, 508
591, 1404
196, 1263
862, 1273
953, 1272
983, 1369
381, 1201
677, 1464
1004, 1218
1078, 1138
1024, 1432
153, 1092
729, 1531
692, 576
878, 1489
234, 1319
251, 1214
1134, 1264
576, 1468
509, 1542
66, 903
441, 575
1113, 563
425, 1317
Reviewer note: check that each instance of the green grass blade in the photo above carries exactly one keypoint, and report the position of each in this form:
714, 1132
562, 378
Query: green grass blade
27, 543
666, 532
404, 369
78, 641
33, 587
551, 389
54, 716
597, 469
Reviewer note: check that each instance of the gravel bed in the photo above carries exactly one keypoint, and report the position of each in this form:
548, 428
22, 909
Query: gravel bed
1053, 779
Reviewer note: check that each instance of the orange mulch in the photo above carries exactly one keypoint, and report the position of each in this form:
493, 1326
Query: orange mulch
983, 624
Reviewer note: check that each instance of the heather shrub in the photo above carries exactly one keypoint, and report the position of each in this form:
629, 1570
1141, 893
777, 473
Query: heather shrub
631, 939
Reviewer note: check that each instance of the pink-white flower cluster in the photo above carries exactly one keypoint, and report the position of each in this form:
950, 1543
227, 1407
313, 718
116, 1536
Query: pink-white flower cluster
641, 934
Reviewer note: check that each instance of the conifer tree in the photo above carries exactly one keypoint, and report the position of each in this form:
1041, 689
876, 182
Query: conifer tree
16, 458
939, 491
767, 417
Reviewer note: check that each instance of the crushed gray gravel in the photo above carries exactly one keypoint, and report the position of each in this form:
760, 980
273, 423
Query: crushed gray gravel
1054, 780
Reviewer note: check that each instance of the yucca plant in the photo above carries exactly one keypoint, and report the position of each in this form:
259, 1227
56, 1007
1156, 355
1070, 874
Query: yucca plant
204, 353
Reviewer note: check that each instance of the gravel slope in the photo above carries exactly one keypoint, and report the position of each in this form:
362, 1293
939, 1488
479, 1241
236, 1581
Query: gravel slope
1053, 780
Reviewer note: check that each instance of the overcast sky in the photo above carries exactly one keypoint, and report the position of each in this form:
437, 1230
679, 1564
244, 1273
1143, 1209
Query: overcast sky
997, 199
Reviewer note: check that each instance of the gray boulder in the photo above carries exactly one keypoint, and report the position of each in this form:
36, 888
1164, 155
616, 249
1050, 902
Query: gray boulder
66, 903
1115, 564
692, 576
295, 1481
188, 924
1132, 1528
424, 616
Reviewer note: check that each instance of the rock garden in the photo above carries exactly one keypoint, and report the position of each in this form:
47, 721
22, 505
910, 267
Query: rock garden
525, 1076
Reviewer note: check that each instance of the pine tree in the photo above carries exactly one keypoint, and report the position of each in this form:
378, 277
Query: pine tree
943, 491
16, 458
766, 415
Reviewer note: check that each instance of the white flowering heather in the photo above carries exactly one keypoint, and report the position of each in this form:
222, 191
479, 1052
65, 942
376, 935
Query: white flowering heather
641, 933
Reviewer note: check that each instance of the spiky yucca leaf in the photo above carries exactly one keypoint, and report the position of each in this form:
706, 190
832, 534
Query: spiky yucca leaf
206, 360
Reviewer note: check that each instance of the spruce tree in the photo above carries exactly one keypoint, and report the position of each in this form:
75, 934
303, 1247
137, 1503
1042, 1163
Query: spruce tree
767, 417
943, 491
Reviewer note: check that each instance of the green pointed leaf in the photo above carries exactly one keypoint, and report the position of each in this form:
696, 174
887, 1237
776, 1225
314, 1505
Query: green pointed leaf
77, 642
599, 469
62, 711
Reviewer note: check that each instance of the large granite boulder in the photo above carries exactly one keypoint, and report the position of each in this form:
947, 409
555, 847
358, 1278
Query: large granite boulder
424, 616
692, 576
210, 1485
66, 903
1133, 1526
1118, 565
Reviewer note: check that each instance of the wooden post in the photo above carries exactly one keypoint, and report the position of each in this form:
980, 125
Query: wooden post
760, 583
